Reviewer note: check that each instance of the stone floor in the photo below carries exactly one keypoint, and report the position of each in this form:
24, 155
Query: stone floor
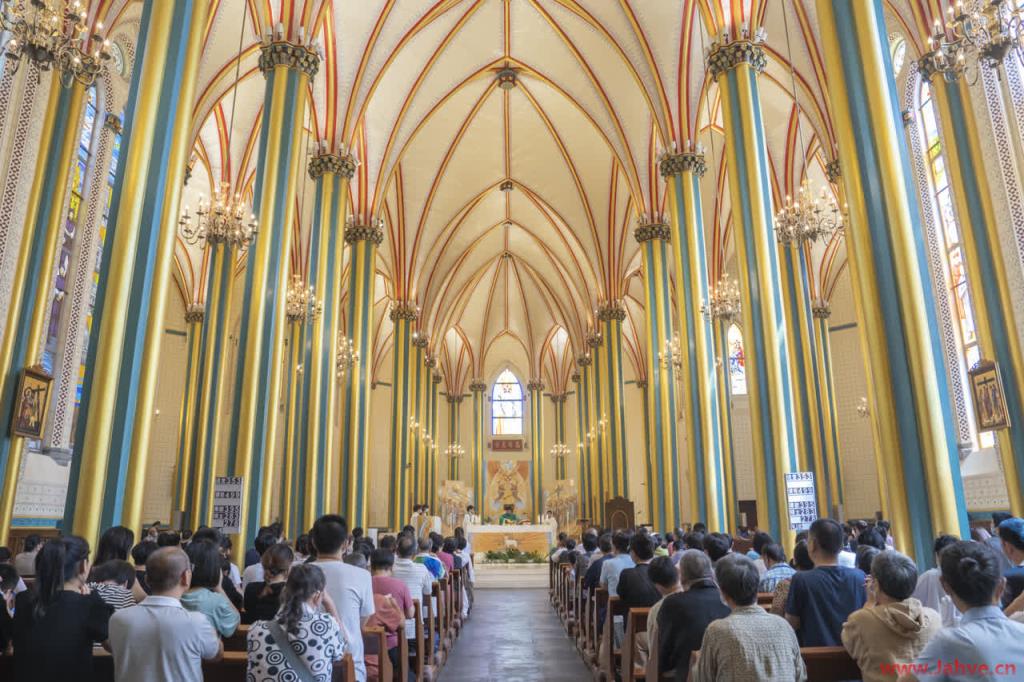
514, 635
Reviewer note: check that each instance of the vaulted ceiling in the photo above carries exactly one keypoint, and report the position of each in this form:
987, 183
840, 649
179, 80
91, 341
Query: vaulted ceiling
602, 88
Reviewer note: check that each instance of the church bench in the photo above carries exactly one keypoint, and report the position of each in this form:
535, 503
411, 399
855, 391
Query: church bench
375, 643
612, 655
598, 605
829, 664
421, 667
458, 576
552, 573
764, 600
239, 640
568, 601
636, 623
583, 617
436, 627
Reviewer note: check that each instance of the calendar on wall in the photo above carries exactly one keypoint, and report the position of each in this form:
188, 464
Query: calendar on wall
227, 504
800, 497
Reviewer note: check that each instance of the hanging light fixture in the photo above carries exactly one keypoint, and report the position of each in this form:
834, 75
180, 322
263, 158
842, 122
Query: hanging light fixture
301, 303
986, 30
225, 218
723, 300
672, 355
347, 356
53, 34
455, 451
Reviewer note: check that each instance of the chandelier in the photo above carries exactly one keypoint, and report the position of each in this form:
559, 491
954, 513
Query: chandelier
560, 451
347, 356
301, 302
53, 34
986, 29
808, 217
723, 300
455, 451
224, 219
672, 356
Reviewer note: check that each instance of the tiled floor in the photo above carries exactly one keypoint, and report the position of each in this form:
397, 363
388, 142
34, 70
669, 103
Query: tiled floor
514, 636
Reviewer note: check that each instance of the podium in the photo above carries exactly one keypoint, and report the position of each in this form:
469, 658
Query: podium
620, 514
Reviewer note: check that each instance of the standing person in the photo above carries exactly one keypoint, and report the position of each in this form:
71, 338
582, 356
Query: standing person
776, 568
620, 561
159, 640
415, 576
985, 636
116, 543
350, 588
467, 563
426, 557
996, 543
892, 627
471, 518
140, 554
303, 641
929, 590
263, 598
56, 625
1011, 537
25, 560
254, 572
394, 593
820, 600
206, 592
750, 643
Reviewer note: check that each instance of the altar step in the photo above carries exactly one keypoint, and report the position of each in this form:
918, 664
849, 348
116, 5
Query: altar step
506, 576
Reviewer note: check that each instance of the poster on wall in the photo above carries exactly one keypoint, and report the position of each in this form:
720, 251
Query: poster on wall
31, 402
227, 504
800, 498
987, 395
507, 483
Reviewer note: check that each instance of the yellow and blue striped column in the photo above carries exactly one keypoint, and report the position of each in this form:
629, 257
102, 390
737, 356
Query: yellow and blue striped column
611, 316
582, 447
597, 396
723, 406
994, 317
821, 311
433, 462
418, 387
363, 241
297, 516
649, 449
184, 486
735, 66
454, 426
796, 296
213, 377
909, 396
535, 387
558, 402
318, 398
288, 69
403, 319
663, 479
31, 293
107, 482
479, 473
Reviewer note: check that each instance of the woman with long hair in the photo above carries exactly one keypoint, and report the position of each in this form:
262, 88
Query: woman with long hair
116, 544
263, 598
206, 594
305, 638
56, 625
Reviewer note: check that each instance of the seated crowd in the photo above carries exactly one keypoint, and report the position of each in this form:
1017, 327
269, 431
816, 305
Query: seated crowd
719, 608
165, 605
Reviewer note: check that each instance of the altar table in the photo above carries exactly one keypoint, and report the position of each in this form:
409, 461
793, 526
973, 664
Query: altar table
533, 538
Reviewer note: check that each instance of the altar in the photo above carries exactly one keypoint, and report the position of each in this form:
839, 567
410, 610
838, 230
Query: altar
539, 538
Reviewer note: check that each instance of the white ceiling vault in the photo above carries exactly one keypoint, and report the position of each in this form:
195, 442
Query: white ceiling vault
602, 87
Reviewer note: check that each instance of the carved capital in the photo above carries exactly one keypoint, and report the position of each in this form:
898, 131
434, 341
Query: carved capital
675, 164
821, 310
403, 310
113, 123
646, 233
322, 164
431, 363
373, 232
195, 314
594, 340
610, 310
420, 341
833, 171
534, 385
436, 378
583, 361
559, 398
477, 386
291, 55
641, 384
454, 399
725, 57
575, 378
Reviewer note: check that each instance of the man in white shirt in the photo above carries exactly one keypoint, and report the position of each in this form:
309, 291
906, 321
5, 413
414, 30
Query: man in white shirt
471, 518
158, 640
415, 576
613, 568
929, 590
254, 572
350, 588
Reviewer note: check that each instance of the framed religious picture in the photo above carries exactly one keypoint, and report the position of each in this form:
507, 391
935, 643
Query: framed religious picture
31, 403
988, 397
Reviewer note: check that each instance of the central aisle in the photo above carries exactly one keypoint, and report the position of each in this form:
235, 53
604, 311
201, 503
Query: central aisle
514, 635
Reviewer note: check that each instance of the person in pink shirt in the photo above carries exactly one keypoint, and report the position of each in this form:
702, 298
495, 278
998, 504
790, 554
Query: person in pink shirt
445, 557
382, 564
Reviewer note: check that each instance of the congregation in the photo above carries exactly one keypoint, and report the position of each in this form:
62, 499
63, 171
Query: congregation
331, 605
706, 606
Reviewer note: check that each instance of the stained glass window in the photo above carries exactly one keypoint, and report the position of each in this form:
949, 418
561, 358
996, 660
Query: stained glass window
737, 361
898, 51
507, 405
949, 229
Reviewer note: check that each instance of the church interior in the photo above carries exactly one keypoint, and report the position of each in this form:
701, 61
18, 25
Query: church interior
612, 263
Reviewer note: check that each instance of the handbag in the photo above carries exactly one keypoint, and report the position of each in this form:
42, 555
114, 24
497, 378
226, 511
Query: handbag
295, 662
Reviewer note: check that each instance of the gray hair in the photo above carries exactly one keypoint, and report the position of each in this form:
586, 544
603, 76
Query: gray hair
694, 565
895, 574
737, 578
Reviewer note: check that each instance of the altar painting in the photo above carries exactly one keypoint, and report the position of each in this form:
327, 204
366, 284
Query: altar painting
507, 483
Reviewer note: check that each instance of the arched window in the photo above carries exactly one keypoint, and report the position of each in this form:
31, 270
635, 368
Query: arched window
507, 405
948, 230
737, 361
898, 52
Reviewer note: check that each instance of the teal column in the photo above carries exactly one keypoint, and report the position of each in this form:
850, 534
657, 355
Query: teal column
611, 315
582, 463
403, 317
479, 391
184, 485
454, 438
535, 387
432, 454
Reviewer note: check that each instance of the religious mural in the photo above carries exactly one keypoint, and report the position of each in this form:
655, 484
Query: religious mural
507, 484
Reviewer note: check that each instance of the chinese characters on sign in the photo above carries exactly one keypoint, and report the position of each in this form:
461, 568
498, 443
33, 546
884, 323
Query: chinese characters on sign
803, 509
227, 504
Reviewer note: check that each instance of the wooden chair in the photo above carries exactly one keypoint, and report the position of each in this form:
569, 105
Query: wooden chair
636, 623
375, 643
829, 664
613, 655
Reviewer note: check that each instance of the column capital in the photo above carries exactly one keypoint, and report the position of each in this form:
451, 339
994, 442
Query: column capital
534, 385
454, 399
833, 171
583, 361
113, 123
436, 378
822, 310
641, 384
559, 398
725, 57
321, 164
611, 310
373, 231
575, 377
675, 164
420, 341
403, 310
649, 231
431, 363
594, 340
195, 313
477, 386
291, 55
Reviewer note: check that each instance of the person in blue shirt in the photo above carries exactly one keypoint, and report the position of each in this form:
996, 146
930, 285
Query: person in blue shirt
820, 600
1011, 537
986, 645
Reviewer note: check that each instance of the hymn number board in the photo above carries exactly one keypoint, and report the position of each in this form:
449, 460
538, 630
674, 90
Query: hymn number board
227, 504
800, 498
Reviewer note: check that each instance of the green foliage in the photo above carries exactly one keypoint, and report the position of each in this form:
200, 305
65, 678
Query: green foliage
513, 556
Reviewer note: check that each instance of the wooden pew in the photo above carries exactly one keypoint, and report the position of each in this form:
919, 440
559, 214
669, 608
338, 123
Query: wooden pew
233, 667
435, 626
569, 599
458, 576
613, 654
551, 582
764, 600
636, 623
375, 643
599, 602
239, 640
829, 664
421, 667
581, 615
